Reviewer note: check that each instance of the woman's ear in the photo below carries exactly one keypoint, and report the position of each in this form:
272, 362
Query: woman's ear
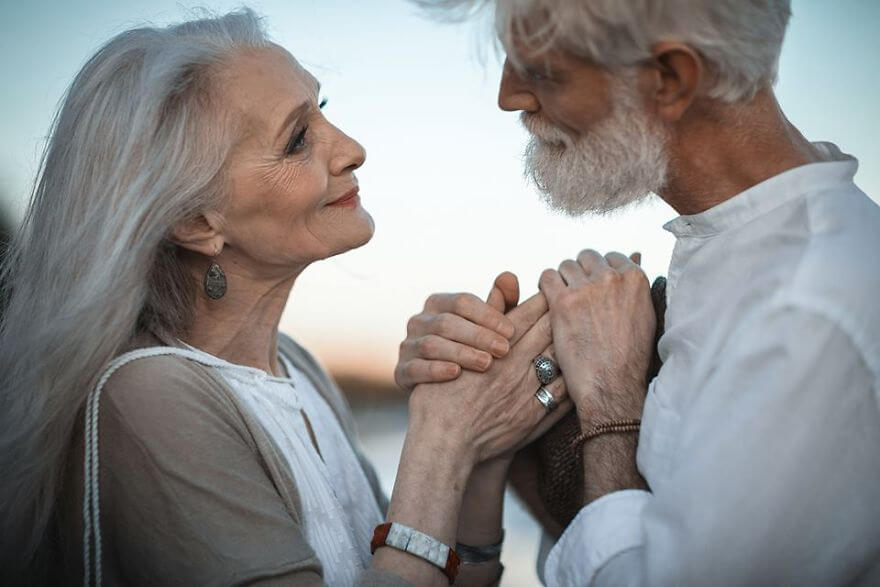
200, 234
678, 72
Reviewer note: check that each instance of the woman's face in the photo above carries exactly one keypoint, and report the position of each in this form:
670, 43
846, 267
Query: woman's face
293, 194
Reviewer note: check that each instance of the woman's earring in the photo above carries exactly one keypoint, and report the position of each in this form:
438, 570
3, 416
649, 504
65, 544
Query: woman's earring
215, 280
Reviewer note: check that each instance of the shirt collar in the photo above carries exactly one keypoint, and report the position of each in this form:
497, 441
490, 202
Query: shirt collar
837, 169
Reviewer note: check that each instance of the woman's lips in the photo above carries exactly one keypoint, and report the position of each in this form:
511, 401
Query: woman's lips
350, 199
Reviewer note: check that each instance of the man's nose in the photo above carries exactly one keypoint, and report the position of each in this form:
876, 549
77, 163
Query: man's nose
513, 94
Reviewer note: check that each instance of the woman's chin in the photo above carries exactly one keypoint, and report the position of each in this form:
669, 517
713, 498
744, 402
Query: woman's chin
358, 233
368, 229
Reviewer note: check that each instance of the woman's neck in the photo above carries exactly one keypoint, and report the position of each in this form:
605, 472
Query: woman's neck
242, 326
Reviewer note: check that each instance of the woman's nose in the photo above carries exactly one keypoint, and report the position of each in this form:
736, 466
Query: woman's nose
348, 155
513, 95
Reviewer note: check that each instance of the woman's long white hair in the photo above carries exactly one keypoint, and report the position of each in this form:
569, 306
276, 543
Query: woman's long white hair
137, 146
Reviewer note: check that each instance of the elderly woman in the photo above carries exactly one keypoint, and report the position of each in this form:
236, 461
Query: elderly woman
156, 428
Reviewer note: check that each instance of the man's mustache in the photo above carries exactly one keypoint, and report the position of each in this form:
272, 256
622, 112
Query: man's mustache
544, 131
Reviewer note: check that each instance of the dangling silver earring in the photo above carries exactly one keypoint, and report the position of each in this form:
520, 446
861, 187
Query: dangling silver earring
215, 280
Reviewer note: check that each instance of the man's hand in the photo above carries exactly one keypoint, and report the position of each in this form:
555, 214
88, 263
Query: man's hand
457, 331
603, 328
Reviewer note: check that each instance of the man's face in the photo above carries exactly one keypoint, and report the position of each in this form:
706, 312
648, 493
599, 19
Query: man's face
594, 146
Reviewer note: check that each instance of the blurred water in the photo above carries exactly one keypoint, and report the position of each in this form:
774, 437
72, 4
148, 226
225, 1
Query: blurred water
382, 427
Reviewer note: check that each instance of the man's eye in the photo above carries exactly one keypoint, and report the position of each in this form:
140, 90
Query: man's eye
297, 142
537, 75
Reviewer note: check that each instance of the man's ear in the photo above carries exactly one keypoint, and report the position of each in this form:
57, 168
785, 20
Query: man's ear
200, 234
678, 72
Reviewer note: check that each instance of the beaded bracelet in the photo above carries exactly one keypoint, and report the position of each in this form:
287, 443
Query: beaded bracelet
613, 427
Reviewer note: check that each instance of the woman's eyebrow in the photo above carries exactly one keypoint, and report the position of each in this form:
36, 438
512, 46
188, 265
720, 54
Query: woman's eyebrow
297, 112
292, 116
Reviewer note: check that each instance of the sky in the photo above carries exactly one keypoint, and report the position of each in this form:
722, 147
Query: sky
443, 177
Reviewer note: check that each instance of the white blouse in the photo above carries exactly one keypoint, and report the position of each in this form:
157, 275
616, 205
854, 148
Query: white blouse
339, 511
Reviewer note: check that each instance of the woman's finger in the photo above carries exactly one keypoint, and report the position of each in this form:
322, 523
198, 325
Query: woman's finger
410, 373
496, 298
438, 348
551, 284
533, 342
455, 328
526, 314
473, 309
508, 284
557, 386
544, 419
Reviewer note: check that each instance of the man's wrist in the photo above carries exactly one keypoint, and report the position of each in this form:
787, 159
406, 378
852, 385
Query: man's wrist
610, 464
610, 402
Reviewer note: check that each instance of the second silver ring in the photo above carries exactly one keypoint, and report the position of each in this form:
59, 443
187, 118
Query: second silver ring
546, 399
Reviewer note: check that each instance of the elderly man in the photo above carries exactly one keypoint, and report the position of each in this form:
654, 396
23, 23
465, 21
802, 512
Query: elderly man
758, 456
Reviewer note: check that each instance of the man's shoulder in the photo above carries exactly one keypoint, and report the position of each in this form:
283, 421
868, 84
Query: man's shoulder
840, 262
838, 274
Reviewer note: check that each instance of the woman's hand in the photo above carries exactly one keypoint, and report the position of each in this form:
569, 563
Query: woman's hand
457, 331
480, 417
490, 414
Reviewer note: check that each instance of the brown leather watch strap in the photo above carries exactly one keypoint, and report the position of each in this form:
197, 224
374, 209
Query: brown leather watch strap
380, 539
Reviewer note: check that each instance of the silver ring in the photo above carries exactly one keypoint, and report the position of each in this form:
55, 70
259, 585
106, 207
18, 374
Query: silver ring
545, 398
546, 369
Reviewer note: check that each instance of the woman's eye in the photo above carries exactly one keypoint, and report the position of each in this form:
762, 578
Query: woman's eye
297, 142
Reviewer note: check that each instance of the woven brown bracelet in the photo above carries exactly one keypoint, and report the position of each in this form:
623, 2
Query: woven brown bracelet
613, 427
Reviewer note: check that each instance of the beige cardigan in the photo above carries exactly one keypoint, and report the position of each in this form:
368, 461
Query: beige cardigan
193, 492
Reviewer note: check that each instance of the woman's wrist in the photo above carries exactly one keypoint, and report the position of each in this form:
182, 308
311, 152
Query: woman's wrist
427, 497
431, 480
429, 429
482, 508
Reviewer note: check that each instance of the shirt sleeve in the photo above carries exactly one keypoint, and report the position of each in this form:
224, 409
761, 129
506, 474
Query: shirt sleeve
774, 479
185, 496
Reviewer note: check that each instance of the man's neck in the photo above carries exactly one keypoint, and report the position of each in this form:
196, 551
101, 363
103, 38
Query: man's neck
720, 151
242, 326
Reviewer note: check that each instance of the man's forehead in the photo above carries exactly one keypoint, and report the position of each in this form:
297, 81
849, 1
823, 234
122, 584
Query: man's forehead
530, 39
529, 53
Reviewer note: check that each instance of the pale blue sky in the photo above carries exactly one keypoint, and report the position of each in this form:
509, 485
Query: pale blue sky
443, 177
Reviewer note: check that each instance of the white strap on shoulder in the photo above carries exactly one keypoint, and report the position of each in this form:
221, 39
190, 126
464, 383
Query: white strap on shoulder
91, 497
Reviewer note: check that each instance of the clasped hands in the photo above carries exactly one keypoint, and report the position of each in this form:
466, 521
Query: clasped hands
469, 362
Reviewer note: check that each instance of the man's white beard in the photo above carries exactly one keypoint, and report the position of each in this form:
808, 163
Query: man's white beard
618, 162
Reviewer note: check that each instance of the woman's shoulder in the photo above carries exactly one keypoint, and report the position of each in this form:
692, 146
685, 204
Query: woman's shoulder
149, 385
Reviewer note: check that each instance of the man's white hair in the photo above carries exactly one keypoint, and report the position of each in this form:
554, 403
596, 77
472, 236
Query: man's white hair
739, 39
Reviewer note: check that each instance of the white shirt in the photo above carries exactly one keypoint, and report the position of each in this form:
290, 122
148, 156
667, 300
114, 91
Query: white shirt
760, 437
339, 510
